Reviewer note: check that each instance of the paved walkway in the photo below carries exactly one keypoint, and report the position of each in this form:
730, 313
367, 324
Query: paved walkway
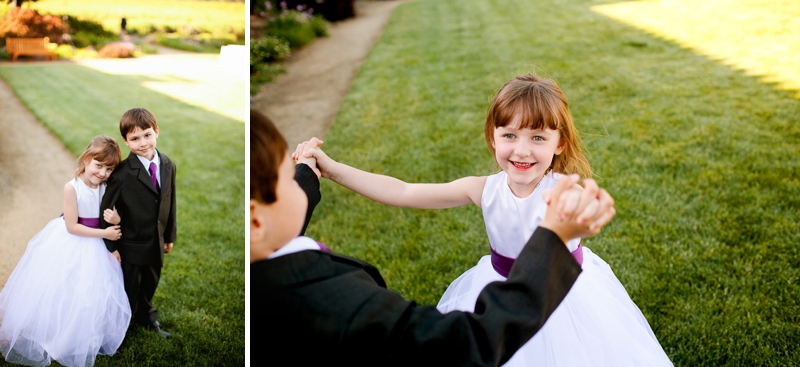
303, 102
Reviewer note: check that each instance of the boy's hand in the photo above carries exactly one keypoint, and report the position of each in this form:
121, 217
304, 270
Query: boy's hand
112, 233
573, 212
299, 157
116, 254
111, 216
324, 163
167, 248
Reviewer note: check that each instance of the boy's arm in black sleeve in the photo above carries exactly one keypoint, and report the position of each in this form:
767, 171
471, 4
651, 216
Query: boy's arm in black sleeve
507, 314
171, 229
309, 182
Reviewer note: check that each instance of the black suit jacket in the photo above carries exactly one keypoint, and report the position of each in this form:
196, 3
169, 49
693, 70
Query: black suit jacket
317, 307
148, 217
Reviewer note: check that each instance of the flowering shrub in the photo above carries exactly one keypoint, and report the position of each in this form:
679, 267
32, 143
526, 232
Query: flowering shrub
25, 22
268, 48
298, 27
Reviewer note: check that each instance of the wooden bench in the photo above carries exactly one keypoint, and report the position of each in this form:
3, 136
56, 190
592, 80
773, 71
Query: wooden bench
30, 46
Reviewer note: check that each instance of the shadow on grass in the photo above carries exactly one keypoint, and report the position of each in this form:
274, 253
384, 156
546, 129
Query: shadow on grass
201, 293
700, 158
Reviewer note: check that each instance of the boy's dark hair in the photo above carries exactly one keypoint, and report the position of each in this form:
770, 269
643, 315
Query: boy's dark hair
267, 151
136, 118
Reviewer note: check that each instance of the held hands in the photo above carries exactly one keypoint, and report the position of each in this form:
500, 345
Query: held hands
111, 216
298, 155
572, 212
308, 152
112, 233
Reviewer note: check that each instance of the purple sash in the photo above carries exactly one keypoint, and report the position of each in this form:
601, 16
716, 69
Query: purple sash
323, 247
89, 222
502, 265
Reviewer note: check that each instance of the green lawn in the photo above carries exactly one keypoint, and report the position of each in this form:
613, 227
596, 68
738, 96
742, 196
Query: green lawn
201, 293
700, 157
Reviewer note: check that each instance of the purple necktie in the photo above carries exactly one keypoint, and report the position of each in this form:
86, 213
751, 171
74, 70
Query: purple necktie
153, 175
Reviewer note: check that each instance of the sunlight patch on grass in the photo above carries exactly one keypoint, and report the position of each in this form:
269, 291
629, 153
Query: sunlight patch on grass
760, 37
198, 80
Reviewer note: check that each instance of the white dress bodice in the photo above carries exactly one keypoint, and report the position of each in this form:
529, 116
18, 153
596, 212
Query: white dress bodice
88, 198
510, 221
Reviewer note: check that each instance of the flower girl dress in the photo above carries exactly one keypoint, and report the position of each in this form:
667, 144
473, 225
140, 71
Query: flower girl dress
597, 324
65, 300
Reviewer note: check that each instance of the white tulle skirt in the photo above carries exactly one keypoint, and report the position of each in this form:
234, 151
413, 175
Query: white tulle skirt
65, 301
597, 324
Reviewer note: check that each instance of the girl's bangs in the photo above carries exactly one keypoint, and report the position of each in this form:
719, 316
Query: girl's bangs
534, 112
108, 158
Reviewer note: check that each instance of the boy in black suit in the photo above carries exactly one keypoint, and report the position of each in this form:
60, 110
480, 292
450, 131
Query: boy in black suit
142, 188
315, 307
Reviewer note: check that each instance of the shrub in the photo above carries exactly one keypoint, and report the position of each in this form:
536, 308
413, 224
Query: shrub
69, 52
65, 51
117, 50
320, 26
85, 33
268, 48
85, 39
25, 22
292, 26
89, 26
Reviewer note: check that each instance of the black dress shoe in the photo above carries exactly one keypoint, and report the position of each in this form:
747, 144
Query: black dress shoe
155, 326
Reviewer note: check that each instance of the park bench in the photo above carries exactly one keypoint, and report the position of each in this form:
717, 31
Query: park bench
30, 46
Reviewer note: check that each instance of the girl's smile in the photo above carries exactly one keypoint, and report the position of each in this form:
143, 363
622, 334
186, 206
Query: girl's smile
525, 155
96, 173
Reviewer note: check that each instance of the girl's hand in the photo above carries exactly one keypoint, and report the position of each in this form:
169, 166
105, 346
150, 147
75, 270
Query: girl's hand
324, 163
303, 147
112, 233
111, 216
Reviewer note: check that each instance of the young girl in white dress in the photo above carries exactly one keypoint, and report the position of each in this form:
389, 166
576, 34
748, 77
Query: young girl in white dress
530, 132
65, 300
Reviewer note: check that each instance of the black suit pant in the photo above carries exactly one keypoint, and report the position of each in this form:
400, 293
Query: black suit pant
140, 286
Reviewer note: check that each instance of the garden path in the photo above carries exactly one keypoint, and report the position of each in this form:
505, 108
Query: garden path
34, 166
303, 102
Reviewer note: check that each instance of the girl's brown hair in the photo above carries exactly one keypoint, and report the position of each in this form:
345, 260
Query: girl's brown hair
103, 149
540, 104
267, 150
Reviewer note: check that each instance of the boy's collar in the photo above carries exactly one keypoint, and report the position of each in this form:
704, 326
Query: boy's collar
146, 162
